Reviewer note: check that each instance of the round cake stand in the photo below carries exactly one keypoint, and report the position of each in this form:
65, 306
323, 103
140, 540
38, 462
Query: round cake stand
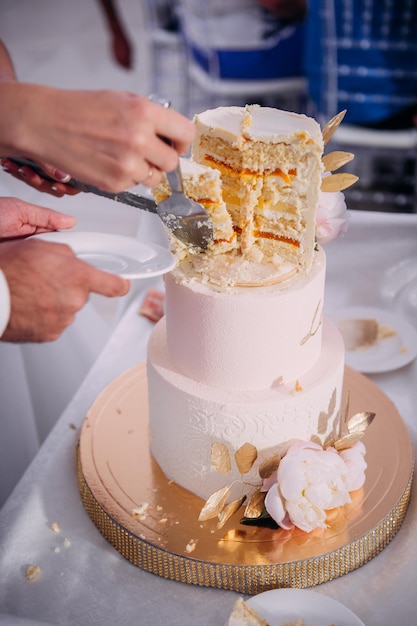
154, 523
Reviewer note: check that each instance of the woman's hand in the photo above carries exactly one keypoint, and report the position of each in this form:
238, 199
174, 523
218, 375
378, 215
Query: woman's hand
31, 178
113, 140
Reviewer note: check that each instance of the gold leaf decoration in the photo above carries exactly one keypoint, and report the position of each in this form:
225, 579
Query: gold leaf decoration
313, 331
255, 505
338, 182
335, 160
324, 417
344, 417
220, 458
331, 126
268, 467
245, 457
228, 511
347, 441
214, 505
315, 439
359, 422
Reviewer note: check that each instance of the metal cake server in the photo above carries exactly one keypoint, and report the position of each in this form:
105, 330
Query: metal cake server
186, 219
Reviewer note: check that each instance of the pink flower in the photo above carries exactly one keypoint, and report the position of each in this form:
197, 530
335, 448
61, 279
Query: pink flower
332, 216
309, 481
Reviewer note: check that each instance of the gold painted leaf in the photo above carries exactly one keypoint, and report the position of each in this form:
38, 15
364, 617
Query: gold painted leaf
329, 442
245, 457
268, 467
338, 182
359, 422
324, 416
347, 441
220, 458
315, 439
255, 505
332, 125
214, 505
228, 511
345, 416
334, 160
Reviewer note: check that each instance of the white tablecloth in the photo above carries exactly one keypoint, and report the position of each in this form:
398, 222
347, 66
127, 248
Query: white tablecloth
84, 581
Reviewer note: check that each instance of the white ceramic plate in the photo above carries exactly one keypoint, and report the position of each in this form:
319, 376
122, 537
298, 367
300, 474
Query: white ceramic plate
280, 606
116, 254
387, 354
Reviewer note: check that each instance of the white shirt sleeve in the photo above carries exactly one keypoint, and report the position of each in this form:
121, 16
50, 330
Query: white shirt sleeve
4, 303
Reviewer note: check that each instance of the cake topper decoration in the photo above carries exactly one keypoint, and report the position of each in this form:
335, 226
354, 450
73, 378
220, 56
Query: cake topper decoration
335, 160
332, 125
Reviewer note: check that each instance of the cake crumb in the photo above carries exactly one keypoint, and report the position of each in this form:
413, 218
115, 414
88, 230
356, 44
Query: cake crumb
140, 510
66, 543
191, 545
55, 527
298, 386
153, 305
33, 572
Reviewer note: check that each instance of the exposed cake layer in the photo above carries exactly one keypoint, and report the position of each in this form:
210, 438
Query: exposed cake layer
270, 165
188, 417
245, 338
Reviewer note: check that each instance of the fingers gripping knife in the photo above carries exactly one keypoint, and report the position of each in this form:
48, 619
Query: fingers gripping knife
187, 220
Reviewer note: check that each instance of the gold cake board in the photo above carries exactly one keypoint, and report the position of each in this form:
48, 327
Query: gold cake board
118, 475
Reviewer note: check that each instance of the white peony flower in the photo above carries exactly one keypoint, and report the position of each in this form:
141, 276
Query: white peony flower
309, 481
332, 216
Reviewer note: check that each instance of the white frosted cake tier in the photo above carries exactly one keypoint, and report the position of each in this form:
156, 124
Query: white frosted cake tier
188, 417
245, 338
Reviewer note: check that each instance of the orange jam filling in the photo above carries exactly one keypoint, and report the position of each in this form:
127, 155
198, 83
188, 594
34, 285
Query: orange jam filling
261, 234
287, 177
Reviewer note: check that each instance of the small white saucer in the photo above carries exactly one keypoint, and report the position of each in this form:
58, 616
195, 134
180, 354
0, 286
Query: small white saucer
388, 353
116, 254
280, 606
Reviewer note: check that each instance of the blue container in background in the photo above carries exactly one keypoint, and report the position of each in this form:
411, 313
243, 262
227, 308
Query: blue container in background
361, 55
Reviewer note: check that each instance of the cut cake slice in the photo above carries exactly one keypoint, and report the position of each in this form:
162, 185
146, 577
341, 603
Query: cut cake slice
270, 166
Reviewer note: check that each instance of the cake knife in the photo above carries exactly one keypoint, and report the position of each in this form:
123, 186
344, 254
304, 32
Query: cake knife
193, 227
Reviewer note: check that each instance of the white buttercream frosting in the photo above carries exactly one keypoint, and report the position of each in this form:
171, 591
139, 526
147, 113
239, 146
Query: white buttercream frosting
245, 338
256, 123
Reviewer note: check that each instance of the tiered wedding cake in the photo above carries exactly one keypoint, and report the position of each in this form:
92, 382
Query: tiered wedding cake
244, 363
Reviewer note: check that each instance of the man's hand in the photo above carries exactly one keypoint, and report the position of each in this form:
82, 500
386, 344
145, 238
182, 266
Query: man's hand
48, 285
